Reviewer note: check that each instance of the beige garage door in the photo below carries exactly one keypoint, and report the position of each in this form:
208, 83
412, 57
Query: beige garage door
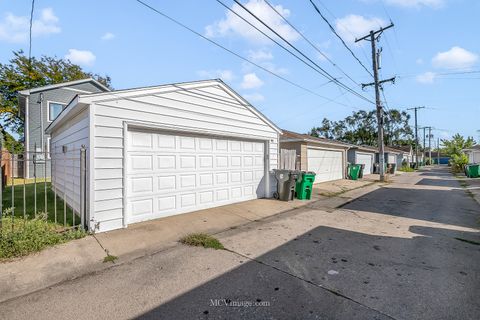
169, 174
327, 164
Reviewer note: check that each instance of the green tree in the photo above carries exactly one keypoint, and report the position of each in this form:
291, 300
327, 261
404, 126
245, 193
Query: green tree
360, 128
455, 145
21, 73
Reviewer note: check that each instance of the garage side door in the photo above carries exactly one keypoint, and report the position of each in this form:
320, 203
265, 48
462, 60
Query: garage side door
169, 174
367, 160
327, 164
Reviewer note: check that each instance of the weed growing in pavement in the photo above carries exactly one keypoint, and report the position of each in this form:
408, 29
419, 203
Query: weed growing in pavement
202, 240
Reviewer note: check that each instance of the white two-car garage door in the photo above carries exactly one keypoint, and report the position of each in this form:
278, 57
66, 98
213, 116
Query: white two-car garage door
367, 160
169, 174
327, 164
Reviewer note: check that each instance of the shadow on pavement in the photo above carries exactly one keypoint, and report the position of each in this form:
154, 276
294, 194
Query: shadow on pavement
428, 277
453, 207
450, 183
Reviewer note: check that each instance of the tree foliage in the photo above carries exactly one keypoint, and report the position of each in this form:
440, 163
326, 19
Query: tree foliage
455, 145
21, 73
360, 128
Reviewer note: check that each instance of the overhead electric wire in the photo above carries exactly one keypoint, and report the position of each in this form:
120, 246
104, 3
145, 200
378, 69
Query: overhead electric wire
329, 76
275, 41
235, 54
339, 37
309, 42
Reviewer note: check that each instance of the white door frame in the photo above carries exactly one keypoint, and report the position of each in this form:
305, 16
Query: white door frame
129, 125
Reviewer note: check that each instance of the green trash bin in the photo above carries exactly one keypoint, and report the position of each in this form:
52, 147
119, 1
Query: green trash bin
304, 185
473, 170
354, 171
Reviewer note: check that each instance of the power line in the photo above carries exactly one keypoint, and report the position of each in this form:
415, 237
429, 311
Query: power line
274, 41
339, 37
236, 54
329, 76
309, 42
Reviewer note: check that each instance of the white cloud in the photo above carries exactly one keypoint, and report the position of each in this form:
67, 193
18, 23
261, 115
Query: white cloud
251, 81
254, 97
233, 25
108, 36
16, 28
81, 57
426, 78
260, 55
455, 58
225, 75
354, 26
417, 3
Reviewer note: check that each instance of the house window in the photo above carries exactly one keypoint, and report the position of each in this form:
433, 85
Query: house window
54, 110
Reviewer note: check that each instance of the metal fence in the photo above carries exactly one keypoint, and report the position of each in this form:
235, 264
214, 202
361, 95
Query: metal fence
55, 187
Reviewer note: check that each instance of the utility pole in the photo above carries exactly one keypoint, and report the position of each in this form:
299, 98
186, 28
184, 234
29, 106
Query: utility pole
373, 38
438, 151
429, 144
424, 146
416, 134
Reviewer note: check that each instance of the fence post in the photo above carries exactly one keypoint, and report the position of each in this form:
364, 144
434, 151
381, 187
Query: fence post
83, 185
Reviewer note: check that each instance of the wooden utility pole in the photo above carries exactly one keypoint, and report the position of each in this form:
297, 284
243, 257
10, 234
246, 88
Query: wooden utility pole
373, 38
416, 134
438, 151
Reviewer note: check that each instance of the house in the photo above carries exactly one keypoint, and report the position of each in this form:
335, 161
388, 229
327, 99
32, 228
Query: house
327, 158
408, 154
473, 154
363, 155
40, 106
392, 156
159, 151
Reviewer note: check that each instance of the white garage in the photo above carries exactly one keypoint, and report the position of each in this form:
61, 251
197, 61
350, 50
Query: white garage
325, 157
159, 151
362, 155
367, 160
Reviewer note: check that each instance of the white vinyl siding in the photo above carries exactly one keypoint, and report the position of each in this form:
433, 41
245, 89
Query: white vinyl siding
218, 114
66, 165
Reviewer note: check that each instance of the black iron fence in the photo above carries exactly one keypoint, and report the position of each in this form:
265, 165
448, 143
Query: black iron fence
51, 184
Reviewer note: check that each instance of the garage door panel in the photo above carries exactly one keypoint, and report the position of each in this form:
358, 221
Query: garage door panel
327, 164
171, 174
367, 160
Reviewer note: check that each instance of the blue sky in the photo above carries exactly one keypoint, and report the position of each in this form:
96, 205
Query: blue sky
137, 47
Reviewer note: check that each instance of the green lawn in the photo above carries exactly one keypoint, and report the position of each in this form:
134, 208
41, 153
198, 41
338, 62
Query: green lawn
58, 217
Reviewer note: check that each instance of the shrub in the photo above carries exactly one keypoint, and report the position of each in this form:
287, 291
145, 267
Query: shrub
406, 168
20, 237
458, 162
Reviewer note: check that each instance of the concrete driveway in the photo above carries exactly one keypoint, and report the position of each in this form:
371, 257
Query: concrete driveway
408, 250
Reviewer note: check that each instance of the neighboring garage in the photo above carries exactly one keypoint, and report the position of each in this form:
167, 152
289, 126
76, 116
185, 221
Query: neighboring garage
362, 155
165, 150
325, 157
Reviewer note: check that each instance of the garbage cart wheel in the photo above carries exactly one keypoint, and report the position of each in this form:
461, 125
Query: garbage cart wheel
276, 195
